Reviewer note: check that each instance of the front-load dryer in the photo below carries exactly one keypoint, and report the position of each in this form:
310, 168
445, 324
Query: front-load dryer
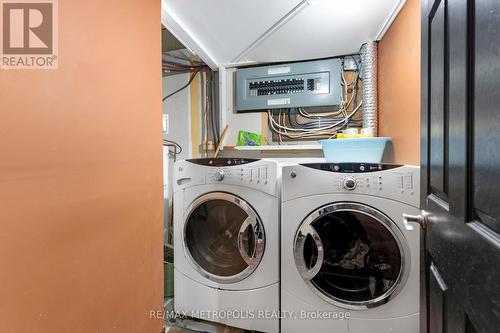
226, 242
348, 262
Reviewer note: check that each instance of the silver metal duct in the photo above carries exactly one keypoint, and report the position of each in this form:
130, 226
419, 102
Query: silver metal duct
369, 86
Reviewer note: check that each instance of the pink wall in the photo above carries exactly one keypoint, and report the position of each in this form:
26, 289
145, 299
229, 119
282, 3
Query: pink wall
399, 84
81, 177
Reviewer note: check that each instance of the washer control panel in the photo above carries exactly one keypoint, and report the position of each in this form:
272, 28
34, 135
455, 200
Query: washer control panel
255, 173
219, 175
221, 161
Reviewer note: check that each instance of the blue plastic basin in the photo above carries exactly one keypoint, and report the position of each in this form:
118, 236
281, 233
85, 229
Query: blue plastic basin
358, 150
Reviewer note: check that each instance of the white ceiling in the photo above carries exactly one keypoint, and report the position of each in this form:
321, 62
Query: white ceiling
226, 32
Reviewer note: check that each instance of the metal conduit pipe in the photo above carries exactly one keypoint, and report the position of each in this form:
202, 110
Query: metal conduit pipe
369, 86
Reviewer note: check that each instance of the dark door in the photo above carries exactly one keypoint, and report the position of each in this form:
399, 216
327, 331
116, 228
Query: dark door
460, 159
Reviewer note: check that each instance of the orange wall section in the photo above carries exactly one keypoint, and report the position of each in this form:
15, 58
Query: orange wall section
81, 177
399, 84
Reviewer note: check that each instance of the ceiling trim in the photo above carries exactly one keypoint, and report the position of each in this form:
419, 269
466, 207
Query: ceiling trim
390, 19
275, 27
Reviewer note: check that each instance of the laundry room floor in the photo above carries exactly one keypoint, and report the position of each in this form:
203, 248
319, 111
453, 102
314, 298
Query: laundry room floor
193, 326
188, 325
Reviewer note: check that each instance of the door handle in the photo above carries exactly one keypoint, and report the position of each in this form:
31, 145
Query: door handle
252, 259
306, 272
408, 220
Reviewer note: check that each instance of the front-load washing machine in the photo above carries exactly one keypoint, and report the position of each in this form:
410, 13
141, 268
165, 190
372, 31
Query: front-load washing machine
348, 262
226, 241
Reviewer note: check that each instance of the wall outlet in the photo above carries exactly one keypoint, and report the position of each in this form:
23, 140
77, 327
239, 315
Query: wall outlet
165, 123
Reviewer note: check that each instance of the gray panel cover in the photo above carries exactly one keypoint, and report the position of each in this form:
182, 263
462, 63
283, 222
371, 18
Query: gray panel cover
304, 84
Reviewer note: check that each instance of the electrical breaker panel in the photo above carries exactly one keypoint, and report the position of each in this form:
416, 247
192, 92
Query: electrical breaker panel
301, 84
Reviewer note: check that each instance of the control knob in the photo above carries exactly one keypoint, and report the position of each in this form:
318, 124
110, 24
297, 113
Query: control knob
219, 175
349, 183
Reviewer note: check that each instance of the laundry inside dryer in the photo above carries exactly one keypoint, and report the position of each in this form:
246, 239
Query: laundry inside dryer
362, 260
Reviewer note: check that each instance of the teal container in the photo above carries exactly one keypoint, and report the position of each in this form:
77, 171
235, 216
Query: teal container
355, 150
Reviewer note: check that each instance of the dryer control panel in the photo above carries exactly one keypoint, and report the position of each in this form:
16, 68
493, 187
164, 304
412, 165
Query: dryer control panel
402, 182
397, 182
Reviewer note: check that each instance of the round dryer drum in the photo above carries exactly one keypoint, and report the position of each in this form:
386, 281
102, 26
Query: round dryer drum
224, 237
351, 255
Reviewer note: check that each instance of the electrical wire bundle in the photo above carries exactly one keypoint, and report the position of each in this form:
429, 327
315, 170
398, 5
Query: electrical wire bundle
210, 112
171, 66
209, 108
177, 149
179, 68
175, 67
319, 124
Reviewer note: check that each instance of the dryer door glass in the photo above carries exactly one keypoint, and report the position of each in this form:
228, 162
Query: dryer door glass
224, 237
350, 254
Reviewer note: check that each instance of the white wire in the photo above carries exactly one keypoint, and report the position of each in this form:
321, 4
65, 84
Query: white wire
281, 139
306, 114
300, 132
331, 129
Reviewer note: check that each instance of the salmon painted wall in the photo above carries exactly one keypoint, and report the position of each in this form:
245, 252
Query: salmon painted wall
81, 177
399, 84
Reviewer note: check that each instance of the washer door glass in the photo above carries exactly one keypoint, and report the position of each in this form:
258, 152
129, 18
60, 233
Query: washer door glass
350, 254
224, 237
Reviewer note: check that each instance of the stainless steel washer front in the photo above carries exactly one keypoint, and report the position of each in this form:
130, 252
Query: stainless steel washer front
223, 237
351, 255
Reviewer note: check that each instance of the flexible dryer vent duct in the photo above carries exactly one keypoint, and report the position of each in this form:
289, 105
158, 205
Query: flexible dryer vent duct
369, 74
